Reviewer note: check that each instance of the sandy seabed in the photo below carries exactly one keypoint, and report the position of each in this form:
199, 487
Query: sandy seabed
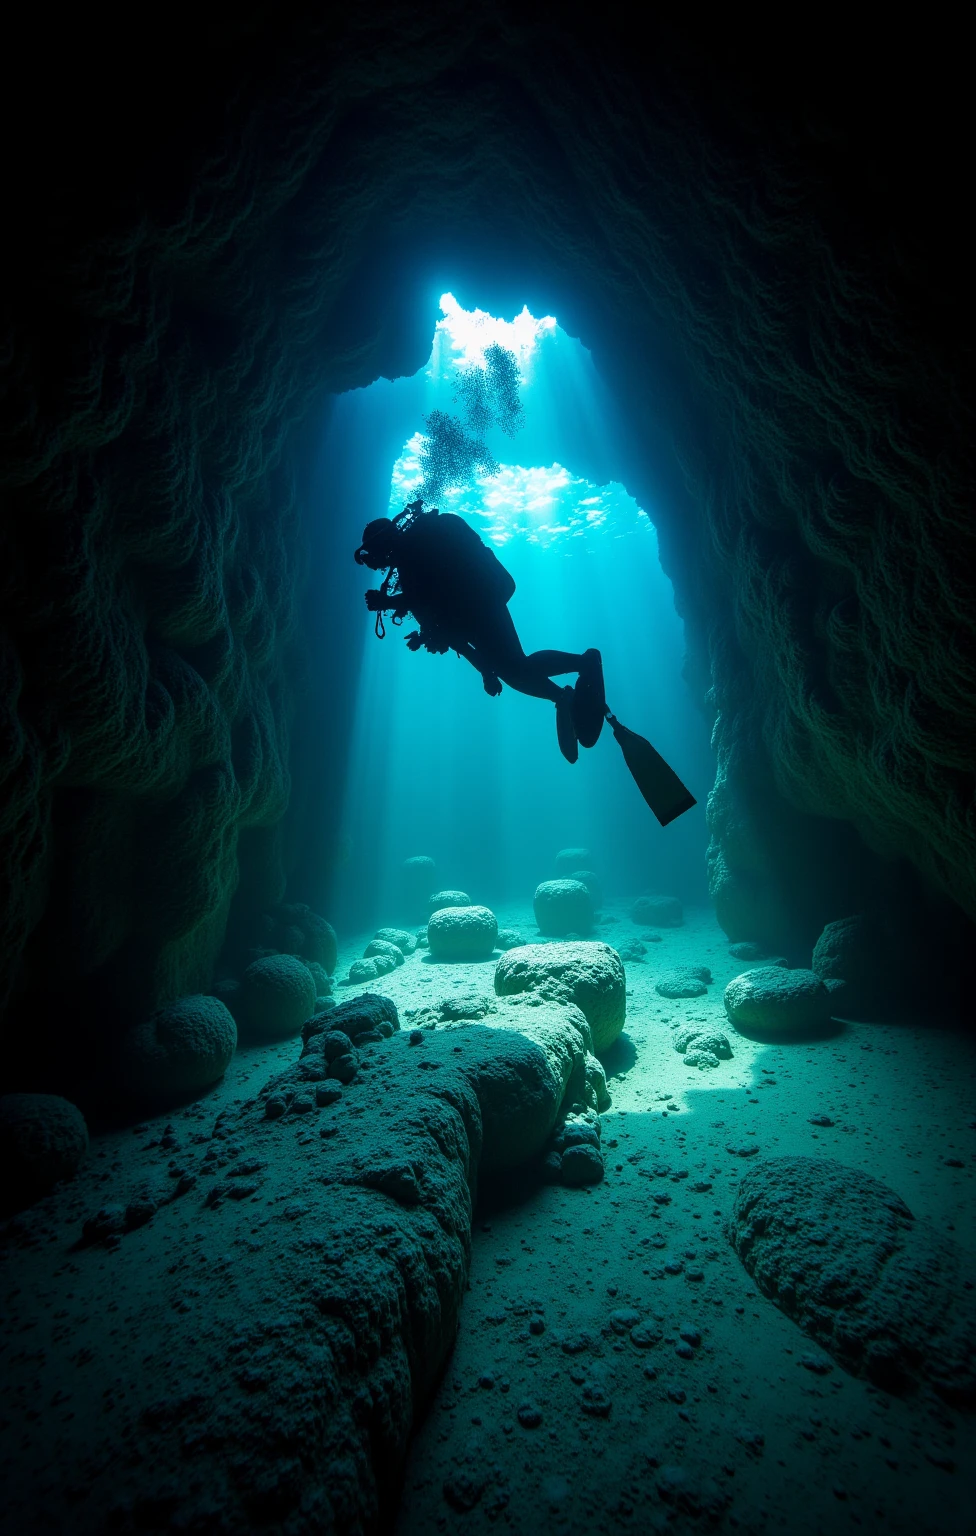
548, 1416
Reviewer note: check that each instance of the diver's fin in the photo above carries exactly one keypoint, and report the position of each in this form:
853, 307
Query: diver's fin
664, 792
589, 703
565, 728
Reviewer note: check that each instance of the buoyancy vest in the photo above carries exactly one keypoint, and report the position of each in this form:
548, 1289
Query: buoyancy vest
447, 573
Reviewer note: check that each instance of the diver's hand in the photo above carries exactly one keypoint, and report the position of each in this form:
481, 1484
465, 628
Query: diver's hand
375, 600
414, 640
492, 684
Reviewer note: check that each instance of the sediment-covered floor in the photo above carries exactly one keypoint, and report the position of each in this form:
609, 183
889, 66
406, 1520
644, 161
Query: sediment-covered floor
557, 1406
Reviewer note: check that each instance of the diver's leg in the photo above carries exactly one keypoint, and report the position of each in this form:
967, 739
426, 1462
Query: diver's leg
481, 664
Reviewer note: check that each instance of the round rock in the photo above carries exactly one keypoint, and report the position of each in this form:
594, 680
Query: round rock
682, 981
384, 947
588, 878
568, 859
181, 1048
405, 941
509, 938
276, 996
587, 973
441, 899
582, 1164
43, 1138
562, 907
657, 912
777, 1001
462, 933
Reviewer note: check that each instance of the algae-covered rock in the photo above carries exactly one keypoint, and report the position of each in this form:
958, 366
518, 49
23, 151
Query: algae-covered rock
588, 878
405, 941
777, 1001
562, 907
657, 912
383, 947
295, 929
856, 959
276, 996
441, 899
508, 938
462, 933
699, 1037
748, 949
370, 1013
43, 1138
323, 982
587, 973
683, 981
568, 859
544, 1067
842, 1254
362, 971
183, 1047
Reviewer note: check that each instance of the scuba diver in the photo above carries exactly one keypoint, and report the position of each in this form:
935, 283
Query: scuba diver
458, 591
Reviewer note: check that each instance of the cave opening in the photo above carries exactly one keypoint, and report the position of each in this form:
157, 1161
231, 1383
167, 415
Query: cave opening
433, 764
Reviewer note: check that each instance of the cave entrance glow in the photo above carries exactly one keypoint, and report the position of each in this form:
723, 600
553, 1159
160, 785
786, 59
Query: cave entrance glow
435, 765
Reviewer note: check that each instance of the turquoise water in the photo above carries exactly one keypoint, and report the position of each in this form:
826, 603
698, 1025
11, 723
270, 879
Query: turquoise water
437, 767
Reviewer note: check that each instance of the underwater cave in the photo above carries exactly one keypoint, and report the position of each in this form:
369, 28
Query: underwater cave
419, 1110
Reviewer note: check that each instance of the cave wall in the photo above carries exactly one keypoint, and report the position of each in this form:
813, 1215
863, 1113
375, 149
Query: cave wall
767, 265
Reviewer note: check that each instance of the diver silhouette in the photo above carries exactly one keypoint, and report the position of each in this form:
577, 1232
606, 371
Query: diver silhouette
458, 591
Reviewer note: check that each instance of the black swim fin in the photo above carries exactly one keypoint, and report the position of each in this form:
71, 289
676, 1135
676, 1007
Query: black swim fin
664, 792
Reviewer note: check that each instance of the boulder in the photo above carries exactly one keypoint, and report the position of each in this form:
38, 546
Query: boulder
294, 929
323, 982
383, 947
276, 996
657, 912
362, 971
369, 1013
441, 899
698, 1037
588, 878
562, 907
508, 938
462, 933
684, 981
632, 951
568, 859
43, 1138
405, 941
588, 974
180, 1049
543, 1072
855, 958
748, 950
703, 1060
775, 1001
839, 1252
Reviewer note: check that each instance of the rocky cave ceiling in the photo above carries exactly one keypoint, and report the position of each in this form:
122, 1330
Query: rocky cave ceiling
760, 240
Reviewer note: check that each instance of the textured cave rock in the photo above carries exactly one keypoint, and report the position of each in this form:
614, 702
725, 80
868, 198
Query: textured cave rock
276, 1387
888, 1295
770, 274
586, 974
